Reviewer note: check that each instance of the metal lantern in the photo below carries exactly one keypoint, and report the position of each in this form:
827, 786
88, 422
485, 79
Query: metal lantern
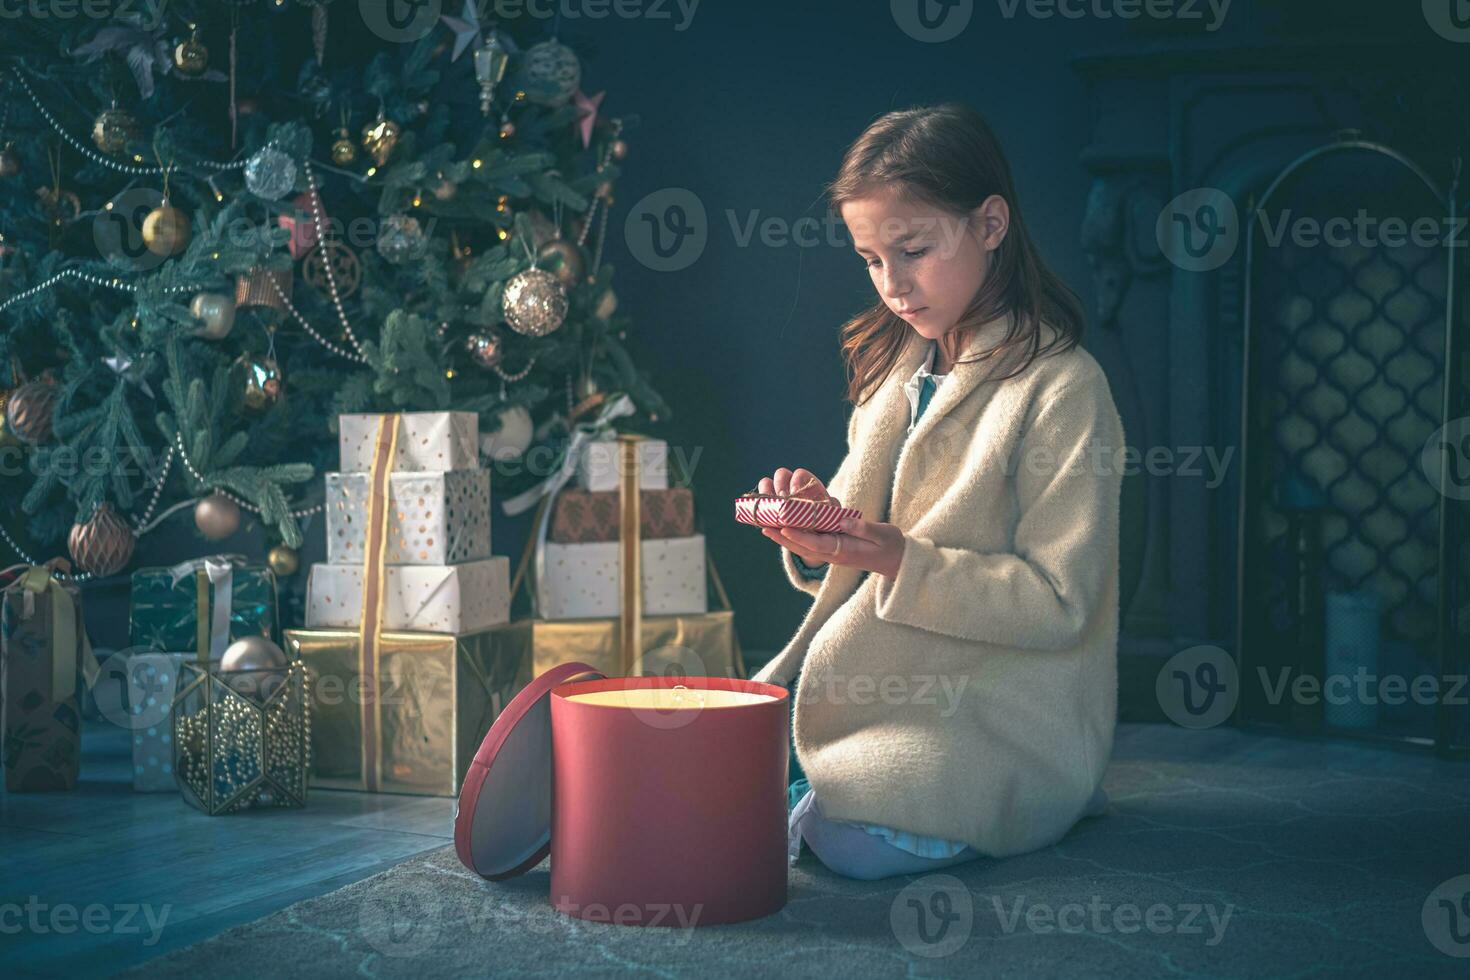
234, 749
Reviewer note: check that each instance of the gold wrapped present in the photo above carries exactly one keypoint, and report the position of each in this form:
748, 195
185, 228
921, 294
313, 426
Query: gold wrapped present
695, 645
436, 696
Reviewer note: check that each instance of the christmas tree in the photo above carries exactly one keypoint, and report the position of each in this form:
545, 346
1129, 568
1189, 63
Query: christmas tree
223, 224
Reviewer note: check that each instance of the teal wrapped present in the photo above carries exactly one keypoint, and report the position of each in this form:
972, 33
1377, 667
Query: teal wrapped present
202, 606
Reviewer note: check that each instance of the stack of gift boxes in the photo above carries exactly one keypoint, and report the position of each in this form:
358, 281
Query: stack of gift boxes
578, 584
581, 561
442, 668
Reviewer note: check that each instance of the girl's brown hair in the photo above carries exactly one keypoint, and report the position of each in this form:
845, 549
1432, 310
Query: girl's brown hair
948, 157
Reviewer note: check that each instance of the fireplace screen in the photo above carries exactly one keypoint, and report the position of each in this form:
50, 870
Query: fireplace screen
1348, 551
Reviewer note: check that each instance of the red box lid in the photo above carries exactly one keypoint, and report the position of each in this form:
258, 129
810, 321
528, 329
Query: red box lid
502, 822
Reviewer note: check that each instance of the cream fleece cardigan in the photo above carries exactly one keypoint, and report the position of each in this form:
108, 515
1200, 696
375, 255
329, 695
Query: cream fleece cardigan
973, 696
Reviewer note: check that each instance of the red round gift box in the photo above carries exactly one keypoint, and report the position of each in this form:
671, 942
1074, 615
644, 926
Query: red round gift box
651, 816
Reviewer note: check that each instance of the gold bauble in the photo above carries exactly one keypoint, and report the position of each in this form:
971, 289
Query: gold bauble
102, 545
343, 152
379, 137
191, 57
263, 382
534, 303
29, 409
619, 149
542, 230
445, 190
563, 259
507, 130
218, 313
114, 130
283, 560
9, 162
217, 516
166, 231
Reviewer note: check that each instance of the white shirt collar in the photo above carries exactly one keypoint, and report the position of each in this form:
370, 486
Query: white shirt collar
911, 386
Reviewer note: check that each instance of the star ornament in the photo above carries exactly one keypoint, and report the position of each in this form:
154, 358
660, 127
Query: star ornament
466, 28
586, 114
128, 370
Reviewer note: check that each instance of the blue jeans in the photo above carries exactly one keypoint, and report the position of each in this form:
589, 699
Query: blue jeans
851, 851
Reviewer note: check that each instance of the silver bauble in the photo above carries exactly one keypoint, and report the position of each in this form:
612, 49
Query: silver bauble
535, 303
512, 439
270, 173
550, 73
485, 349
265, 662
401, 239
218, 313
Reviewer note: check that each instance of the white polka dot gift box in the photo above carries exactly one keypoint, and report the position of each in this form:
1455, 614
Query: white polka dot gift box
153, 679
432, 442
433, 518
581, 581
425, 598
599, 466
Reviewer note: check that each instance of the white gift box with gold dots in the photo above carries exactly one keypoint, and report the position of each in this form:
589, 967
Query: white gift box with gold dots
433, 518
428, 442
582, 580
425, 598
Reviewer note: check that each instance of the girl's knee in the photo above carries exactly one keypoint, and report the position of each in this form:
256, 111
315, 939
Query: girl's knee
850, 863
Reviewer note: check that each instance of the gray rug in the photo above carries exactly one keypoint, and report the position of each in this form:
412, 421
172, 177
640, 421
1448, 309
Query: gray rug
1221, 855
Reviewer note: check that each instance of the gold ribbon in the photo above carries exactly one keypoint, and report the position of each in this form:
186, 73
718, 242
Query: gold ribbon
211, 626
370, 634
630, 570
36, 581
201, 616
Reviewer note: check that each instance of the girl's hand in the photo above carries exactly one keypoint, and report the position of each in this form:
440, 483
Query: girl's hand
868, 545
799, 483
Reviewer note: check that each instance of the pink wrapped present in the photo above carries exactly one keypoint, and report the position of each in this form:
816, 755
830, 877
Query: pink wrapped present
773, 510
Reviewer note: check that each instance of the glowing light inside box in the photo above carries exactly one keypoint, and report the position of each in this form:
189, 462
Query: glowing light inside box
671, 698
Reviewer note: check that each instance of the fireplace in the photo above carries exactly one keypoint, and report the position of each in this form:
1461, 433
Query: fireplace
1310, 360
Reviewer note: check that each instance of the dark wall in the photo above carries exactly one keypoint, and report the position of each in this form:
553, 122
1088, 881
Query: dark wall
751, 108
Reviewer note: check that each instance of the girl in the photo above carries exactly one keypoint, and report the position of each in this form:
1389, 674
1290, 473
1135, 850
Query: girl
955, 679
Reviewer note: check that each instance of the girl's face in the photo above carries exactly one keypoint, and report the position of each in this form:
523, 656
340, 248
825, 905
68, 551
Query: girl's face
926, 263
